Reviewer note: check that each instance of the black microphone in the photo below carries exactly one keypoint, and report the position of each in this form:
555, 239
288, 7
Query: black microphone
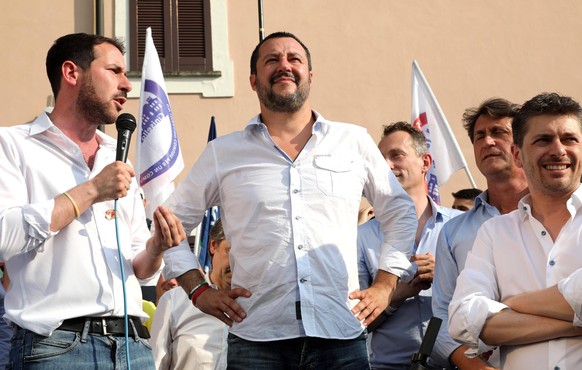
427, 344
125, 126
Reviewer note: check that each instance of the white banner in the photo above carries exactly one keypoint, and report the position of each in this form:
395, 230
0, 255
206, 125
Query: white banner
428, 117
159, 159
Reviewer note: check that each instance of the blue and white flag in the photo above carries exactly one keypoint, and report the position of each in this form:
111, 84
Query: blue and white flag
428, 117
158, 159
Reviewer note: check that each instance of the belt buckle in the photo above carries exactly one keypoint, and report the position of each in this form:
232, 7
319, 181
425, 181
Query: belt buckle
104, 326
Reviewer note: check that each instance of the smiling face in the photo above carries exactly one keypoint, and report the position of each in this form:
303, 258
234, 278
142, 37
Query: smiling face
550, 154
492, 142
408, 167
283, 78
104, 85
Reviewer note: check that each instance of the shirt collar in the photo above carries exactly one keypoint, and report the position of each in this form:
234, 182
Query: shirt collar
320, 126
574, 204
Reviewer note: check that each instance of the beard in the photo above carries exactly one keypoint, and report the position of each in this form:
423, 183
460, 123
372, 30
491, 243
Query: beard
283, 103
91, 107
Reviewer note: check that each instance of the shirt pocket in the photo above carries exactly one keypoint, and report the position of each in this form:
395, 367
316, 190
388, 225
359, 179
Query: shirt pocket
336, 176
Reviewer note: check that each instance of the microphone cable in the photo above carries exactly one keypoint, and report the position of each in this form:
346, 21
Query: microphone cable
125, 315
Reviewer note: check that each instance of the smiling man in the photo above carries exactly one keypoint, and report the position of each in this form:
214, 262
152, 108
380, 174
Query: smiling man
520, 287
290, 185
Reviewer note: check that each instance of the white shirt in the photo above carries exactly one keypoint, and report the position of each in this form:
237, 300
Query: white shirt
513, 253
75, 271
183, 337
293, 225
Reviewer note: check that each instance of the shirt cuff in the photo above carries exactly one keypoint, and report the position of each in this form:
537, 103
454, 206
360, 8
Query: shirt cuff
395, 262
570, 288
179, 260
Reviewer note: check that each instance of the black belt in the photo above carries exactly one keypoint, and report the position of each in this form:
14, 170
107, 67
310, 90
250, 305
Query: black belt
106, 326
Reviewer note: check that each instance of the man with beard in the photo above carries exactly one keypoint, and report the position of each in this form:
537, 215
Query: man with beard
290, 186
58, 221
520, 288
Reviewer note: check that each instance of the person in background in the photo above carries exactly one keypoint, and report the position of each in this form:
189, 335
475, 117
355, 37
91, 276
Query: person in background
518, 290
183, 337
465, 199
490, 132
58, 221
290, 186
399, 331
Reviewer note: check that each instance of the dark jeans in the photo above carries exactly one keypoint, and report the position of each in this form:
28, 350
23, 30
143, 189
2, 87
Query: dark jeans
298, 353
65, 350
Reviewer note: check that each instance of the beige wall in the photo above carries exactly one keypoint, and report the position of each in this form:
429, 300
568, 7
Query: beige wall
362, 55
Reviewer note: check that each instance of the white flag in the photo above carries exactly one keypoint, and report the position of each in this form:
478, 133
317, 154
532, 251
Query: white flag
159, 159
428, 117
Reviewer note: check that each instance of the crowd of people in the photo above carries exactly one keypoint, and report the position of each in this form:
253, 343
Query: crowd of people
295, 282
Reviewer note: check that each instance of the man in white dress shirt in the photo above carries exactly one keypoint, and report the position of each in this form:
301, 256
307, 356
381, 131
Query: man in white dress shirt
289, 186
183, 337
520, 286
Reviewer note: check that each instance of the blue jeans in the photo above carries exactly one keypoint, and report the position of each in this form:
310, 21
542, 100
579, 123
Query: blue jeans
298, 353
68, 350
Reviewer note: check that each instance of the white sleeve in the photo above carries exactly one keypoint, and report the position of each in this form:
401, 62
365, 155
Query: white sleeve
476, 296
571, 289
161, 335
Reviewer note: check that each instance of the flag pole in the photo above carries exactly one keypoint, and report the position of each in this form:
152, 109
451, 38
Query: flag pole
442, 116
261, 21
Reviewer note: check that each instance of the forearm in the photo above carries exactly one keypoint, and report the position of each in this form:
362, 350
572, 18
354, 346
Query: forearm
547, 302
190, 279
468, 363
513, 328
147, 262
65, 209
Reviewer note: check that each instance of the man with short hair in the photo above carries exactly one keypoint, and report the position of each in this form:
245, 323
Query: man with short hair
399, 331
518, 289
465, 199
68, 212
183, 337
289, 186
489, 129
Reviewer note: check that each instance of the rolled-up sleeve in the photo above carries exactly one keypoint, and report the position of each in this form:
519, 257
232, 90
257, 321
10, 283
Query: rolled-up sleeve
476, 296
571, 289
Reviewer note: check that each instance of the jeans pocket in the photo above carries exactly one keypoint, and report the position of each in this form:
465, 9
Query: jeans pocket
38, 347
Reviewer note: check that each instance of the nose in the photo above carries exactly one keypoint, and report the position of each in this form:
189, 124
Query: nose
284, 65
125, 84
557, 148
489, 141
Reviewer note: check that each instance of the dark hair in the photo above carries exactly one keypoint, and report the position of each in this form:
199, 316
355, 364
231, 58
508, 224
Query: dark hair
494, 108
544, 103
77, 48
470, 193
418, 138
216, 231
276, 35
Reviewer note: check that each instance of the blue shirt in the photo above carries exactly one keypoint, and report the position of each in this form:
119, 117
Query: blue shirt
293, 225
395, 341
455, 242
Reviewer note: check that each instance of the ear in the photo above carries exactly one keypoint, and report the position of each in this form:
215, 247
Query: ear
70, 73
253, 81
426, 163
212, 247
516, 155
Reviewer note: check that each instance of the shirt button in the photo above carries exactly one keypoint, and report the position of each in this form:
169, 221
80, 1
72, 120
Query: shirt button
302, 280
544, 233
298, 218
300, 246
295, 191
293, 165
552, 263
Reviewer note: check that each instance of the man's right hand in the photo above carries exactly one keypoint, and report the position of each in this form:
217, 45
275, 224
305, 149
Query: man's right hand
221, 304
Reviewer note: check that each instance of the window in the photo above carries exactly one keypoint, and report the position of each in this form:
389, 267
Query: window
181, 32
211, 75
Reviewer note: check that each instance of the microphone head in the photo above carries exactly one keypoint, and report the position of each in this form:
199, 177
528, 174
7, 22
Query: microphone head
126, 121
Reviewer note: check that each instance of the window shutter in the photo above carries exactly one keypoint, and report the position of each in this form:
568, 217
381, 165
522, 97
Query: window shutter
181, 33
